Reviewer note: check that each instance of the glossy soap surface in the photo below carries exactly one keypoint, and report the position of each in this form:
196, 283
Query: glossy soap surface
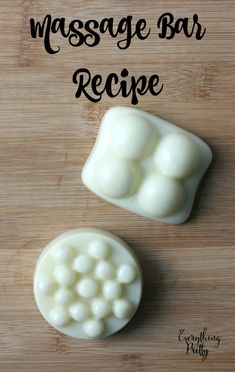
87, 283
146, 165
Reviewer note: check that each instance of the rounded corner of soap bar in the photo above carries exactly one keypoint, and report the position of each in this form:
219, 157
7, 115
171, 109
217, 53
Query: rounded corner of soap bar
88, 283
169, 162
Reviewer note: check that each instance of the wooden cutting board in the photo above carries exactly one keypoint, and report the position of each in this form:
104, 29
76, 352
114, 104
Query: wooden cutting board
45, 137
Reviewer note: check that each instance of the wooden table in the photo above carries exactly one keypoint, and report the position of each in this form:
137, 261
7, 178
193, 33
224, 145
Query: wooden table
45, 137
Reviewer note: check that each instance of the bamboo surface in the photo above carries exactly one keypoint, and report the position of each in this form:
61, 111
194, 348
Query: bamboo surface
45, 137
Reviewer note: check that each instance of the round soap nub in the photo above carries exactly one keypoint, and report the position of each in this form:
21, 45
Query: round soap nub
104, 270
79, 311
178, 156
64, 275
126, 274
83, 264
161, 196
62, 254
112, 290
45, 285
115, 177
93, 328
122, 308
101, 308
133, 136
98, 249
87, 288
59, 316
63, 296
92, 290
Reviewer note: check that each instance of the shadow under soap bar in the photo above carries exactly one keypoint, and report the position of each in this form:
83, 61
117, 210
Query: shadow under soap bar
146, 165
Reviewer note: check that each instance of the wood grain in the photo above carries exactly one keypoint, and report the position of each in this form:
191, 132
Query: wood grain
45, 137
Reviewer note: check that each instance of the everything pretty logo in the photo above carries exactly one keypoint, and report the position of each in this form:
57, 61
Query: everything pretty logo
199, 344
89, 34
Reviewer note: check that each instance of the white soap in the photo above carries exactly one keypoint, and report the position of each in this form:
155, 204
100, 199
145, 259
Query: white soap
146, 165
87, 283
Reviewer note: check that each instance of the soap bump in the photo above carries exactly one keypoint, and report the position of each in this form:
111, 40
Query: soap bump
93, 328
126, 273
87, 287
62, 254
64, 275
101, 308
104, 270
98, 249
63, 296
122, 308
112, 290
79, 311
115, 177
45, 285
59, 316
161, 196
178, 156
133, 137
83, 264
